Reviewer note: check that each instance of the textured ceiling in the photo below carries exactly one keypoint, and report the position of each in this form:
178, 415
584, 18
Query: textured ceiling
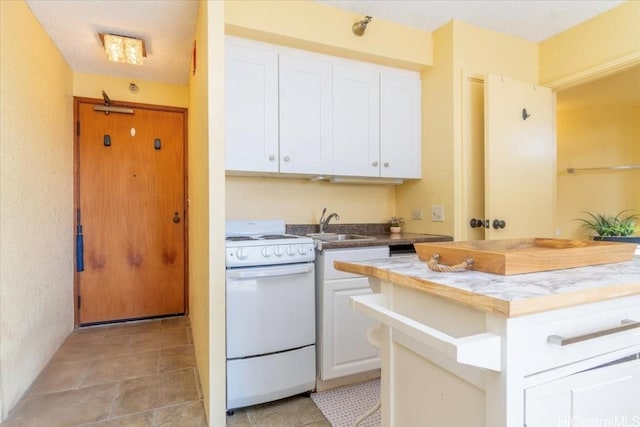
534, 20
167, 26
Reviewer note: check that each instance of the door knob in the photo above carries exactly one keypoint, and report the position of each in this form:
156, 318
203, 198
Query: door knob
176, 217
476, 223
498, 223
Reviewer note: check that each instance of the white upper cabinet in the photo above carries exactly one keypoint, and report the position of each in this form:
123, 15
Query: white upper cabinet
356, 120
301, 113
251, 108
400, 125
305, 114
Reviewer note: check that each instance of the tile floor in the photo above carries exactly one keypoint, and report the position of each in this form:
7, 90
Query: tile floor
295, 411
131, 374
138, 374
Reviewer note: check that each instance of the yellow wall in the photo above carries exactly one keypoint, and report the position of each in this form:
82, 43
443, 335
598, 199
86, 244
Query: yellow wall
217, 295
436, 186
308, 25
92, 85
459, 48
36, 194
206, 209
301, 201
602, 44
597, 136
198, 176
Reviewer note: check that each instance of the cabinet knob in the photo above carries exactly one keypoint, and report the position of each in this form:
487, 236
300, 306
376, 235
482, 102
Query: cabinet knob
386, 164
375, 163
272, 157
286, 158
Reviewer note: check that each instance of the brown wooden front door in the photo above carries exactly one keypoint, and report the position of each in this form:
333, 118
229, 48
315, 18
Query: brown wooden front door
130, 190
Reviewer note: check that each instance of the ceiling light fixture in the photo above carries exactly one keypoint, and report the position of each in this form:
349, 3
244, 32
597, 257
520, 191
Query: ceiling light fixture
123, 49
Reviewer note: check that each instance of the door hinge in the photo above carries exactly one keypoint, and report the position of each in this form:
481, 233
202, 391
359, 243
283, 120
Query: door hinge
79, 301
78, 128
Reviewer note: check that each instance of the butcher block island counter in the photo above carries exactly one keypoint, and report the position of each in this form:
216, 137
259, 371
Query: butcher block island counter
546, 349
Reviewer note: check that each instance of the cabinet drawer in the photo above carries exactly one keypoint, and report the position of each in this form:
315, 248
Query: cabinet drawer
587, 396
555, 339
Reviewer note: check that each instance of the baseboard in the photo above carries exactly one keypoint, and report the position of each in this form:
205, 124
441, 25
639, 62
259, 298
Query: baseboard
347, 380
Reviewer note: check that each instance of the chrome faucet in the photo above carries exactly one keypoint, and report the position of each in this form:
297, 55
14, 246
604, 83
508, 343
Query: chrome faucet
324, 222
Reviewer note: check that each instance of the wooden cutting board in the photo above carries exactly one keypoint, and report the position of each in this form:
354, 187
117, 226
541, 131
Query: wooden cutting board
517, 256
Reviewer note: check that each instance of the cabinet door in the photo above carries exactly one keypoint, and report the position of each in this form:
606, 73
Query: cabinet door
356, 120
345, 348
305, 114
251, 108
400, 125
602, 396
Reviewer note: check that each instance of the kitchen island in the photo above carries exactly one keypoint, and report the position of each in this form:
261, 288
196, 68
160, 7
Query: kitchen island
477, 349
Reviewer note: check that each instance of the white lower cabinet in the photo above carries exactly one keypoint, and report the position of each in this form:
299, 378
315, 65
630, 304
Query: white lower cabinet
587, 398
447, 364
342, 345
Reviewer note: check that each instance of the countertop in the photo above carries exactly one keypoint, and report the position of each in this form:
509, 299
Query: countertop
509, 296
387, 239
379, 232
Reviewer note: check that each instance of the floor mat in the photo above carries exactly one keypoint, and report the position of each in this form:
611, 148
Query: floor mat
342, 406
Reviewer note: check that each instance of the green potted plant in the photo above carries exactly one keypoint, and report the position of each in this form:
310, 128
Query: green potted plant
396, 224
617, 228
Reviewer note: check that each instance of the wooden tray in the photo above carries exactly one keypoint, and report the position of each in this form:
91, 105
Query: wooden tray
517, 256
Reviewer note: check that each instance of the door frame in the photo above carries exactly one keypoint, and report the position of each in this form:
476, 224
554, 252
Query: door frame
461, 177
76, 186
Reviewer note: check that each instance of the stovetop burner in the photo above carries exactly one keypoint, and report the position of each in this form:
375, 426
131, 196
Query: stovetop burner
238, 238
277, 236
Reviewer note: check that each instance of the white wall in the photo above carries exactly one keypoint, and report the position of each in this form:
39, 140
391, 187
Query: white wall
36, 199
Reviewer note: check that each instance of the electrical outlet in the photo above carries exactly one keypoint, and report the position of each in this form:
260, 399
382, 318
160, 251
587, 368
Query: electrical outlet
437, 213
416, 214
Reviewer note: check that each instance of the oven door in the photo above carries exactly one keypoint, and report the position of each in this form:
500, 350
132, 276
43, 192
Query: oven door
270, 309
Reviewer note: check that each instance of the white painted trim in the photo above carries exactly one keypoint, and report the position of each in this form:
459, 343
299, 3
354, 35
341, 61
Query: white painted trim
596, 72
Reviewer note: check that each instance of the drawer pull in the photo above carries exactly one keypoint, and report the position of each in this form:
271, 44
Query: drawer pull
625, 325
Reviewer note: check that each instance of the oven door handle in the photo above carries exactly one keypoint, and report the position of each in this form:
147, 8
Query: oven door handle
285, 270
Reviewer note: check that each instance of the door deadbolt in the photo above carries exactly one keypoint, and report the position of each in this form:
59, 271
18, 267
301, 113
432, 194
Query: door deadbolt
176, 217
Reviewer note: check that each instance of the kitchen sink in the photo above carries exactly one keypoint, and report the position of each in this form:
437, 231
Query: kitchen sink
335, 237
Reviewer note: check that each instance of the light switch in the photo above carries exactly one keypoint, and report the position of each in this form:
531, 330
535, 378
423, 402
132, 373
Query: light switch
437, 213
416, 214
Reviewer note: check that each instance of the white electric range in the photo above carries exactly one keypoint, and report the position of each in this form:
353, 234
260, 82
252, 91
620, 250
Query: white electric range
270, 288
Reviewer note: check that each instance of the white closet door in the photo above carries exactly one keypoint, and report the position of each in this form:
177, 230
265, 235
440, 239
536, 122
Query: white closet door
520, 158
